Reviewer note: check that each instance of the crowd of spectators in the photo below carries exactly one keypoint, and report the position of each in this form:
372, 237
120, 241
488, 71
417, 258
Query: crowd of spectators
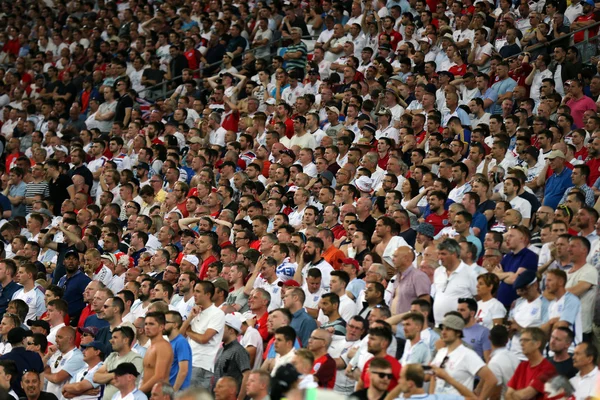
378, 199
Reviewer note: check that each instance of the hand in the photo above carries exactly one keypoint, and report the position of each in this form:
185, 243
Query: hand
251, 321
488, 158
352, 352
440, 372
195, 311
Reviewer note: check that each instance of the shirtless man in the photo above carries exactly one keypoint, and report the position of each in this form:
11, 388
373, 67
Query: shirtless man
385, 231
159, 357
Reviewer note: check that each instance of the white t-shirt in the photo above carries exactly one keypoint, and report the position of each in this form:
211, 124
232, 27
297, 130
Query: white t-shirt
588, 274
34, 300
527, 315
461, 283
203, 355
488, 311
462, 364
503, 364
70, 362
252, 338
274, 290
521, 205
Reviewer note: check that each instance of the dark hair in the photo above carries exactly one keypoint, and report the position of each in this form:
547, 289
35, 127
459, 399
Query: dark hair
288, 333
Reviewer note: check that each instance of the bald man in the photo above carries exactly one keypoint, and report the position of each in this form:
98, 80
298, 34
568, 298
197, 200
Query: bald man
226, 389
410, 283
62, 361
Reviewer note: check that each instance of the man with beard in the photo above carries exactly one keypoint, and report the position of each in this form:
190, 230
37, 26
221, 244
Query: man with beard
312, 258
140, 306
75, 283
184, 301
181, 370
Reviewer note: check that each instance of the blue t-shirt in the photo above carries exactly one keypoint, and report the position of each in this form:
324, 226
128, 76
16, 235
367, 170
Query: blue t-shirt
511, 263
477, 338
502, 87
94, 321
481, 222
182, 352
15, 191
74, 288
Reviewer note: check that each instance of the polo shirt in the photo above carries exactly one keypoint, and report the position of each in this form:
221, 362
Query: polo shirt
461, 283
303, 324
409, 286
417, 354
556, 186
232, 361
511, 263
585, 385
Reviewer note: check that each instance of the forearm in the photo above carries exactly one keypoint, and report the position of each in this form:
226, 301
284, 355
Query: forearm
183, 370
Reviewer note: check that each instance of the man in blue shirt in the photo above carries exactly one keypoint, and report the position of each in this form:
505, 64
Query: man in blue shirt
74, 284
25, 360
8, 287
303, 323
479, 223
560, 180
475, 336
504, 87
15, 190
181, 369
518, 260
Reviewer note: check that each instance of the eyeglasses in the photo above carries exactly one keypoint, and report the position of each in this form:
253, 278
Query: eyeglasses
87, 335
30, 343
383, 375
565, 209
315, 338
58, 360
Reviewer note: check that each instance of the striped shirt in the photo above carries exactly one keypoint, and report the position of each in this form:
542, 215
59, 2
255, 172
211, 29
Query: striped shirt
36, 189
296, 62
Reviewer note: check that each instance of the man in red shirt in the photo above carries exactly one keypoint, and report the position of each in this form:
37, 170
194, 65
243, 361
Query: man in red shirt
588, 17
530, 376
378, 342
206, 242
593, 161
258, 302
388, 29
324, 368
439, 215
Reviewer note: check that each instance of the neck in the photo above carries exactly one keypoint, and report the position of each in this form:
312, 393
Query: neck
586, 369
535, 359
561, 356
334, 316
374, 393
454, 345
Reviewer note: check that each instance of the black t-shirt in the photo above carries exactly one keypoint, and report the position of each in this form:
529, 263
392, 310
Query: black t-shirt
154, 75
410, 235
123, 103
85, 172
564, 368
369, 225
43, 396
58, 191
362, 395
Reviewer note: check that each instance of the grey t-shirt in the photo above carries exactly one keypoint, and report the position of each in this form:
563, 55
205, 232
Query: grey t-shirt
111, 363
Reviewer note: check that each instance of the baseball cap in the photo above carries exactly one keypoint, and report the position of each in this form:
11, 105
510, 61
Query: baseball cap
221, 284
40, 323
327, 175
351, 261
384, 110
364, 184
15, 335
233, 322
555, 154
524, 279
192, 259
291, 283
90, 330
333, 109
125, 369
96, 345
195, 140
71, 253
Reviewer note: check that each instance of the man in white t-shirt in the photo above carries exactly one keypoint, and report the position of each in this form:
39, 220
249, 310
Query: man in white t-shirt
462, 363
204, 330
63, 361
30, 293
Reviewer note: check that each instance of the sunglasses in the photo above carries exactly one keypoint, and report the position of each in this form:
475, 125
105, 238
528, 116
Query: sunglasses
383, 375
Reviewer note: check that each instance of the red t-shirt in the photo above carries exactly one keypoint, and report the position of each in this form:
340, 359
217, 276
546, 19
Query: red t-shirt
458, 70
325, 370
594, 165
438, 221
396, 368
382, 162
579, 36
261, 326
581, 154
204, 267
536, 377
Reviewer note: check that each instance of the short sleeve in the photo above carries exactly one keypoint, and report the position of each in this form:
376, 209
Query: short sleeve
498, 311
74, 364
571, 308
183, 350
513, 382
217, 321
474, 363
589, 275
422, 285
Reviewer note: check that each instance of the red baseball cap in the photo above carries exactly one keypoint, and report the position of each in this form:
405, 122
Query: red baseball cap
351, 261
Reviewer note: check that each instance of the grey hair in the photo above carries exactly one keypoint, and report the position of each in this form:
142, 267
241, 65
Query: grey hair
561, 382
167, 390
451, 246
215, 116
381, 269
